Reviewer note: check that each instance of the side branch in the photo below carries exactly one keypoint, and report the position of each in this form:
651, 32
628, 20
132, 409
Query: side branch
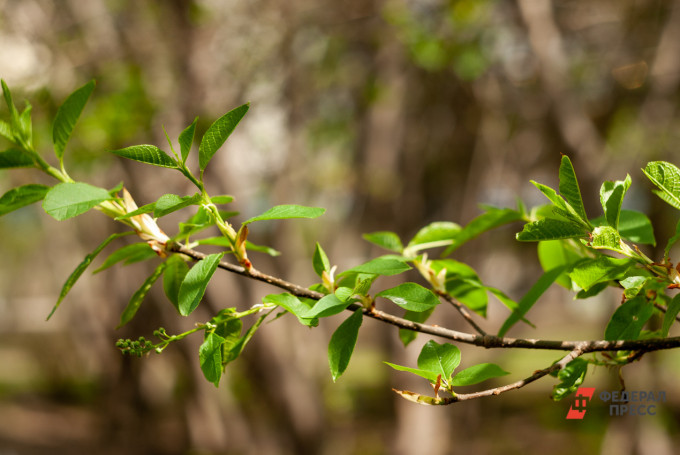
486, 341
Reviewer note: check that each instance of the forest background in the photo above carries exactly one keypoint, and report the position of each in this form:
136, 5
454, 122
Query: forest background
391, 114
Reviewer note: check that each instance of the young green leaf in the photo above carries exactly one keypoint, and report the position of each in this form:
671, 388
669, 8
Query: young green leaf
139, 295
611, 198
463, 283
439, 358
71, 280
293, 305
6, 131
381, 266
21, 196
385, 239
231, 349
320, 261
329, 305
26, 125
669, 317
569, 188
233, 344
149, 154
281, 212
437, 233
590, 272
186, 138
210, 357
429, 375
342, 344
478, 373
561, 206
344, 293
173, 276
628, 319
633, 226
13, 113
218, 133
195, 282
572, 376
550, 229
633, 285
12, 158
531, 297
667, 178
222, 199
67, 116
411, 297
66, 200
606, 238
135, 252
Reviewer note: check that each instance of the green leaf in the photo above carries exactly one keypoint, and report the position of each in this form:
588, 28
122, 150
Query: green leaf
669, 317
462, 282
342, 344
434, 233
139, 295
344, 293
195, 282
233, 349
210, 357
281, 212
531, 297
186, 138
478, 373
67, 200
166, 204
611, 198
12, 158
230, 329
569, 188
606, 238
380, 266
293, 305
329, 305
407, 336
429, 375
599, 270
173, 276
491, 219
561, 206
628, 319
572, 376
67, 116
222, 199
411, 297
71, 280
135, 252
320, 261
6, 131
385, 239
667, 178
633, 285
218, 133
26, 125
13, 113
550, 229
633, 226
149, 154
21, 196
556, 253
439, 358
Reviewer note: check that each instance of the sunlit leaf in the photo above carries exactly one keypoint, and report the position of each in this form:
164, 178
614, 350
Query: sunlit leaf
195, 283
67, 116
149, 154
218, 133
281, 212
66, 200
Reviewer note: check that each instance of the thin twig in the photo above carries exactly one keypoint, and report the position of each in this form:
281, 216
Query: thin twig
486, 341
462, 310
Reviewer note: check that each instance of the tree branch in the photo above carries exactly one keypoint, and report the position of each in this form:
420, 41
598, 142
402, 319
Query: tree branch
485, 341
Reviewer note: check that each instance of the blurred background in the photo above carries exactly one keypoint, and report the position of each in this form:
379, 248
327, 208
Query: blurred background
391, 114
